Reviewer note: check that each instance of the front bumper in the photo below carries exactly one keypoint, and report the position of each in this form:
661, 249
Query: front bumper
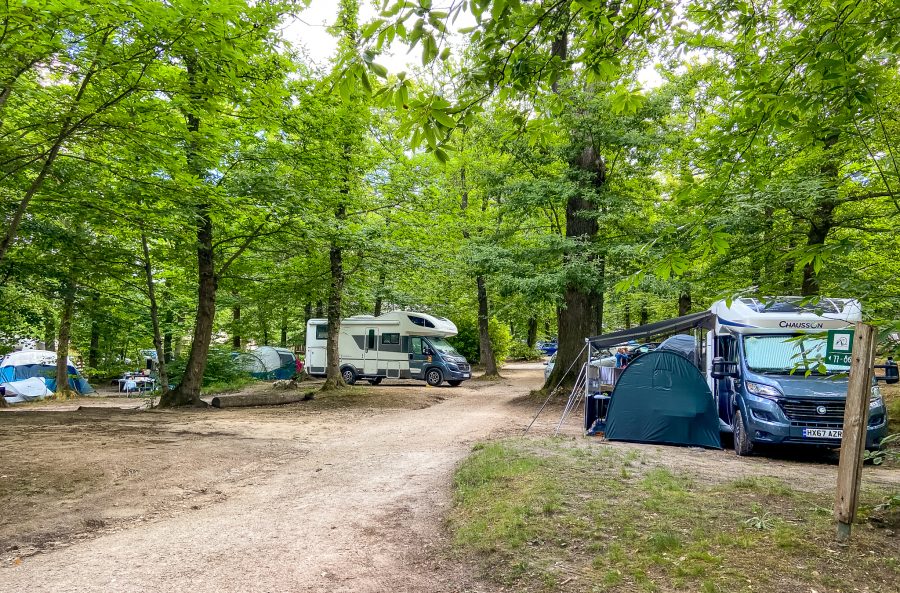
768, 423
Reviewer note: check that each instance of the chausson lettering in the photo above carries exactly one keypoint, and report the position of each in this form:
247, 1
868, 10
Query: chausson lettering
802, 324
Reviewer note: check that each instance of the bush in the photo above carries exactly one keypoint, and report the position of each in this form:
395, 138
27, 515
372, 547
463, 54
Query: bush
222, 368
466, 340
521, 351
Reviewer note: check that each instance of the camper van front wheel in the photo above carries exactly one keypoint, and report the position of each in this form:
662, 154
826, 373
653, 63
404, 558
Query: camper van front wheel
742, 443
434, 377
349, 375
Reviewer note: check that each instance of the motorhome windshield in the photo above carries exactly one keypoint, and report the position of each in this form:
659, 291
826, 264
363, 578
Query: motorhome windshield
443, 346
786, 354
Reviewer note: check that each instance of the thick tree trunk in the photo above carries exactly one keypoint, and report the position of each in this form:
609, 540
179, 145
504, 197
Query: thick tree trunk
684, 302
531, 339
236, 326
333, 379
63, 391
154, 318
645, 315
484, 339
576, 318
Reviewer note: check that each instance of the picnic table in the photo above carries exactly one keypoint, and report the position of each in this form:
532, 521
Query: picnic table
138, 383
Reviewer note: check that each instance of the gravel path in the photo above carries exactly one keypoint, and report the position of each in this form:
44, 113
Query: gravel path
361, 512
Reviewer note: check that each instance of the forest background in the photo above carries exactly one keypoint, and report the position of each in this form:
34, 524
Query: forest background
179, 176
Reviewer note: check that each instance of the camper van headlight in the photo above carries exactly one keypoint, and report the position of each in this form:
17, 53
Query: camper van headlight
762, 390
876, 400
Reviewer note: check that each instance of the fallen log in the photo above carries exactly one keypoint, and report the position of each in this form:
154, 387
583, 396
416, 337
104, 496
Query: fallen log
268, 398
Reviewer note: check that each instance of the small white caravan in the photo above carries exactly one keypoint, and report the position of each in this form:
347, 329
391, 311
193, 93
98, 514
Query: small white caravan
396, 345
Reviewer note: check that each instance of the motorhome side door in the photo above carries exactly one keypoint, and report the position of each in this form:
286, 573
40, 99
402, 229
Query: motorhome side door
417, 357
370, 352
726, 347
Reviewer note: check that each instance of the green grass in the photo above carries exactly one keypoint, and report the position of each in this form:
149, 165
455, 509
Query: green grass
537, 513
228, 386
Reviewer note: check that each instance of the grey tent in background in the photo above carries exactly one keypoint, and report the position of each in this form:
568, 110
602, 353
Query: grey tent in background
683, 344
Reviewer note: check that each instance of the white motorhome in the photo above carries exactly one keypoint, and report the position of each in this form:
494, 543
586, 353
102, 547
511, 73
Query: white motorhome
762, 362
396, 345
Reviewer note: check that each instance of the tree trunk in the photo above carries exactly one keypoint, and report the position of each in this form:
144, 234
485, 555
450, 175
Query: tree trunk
63, 391
684, 302
320, 310
188, 391
823, 218
645, 315
284, 328
484, 339
236, 326
576, 317
531, 340
154, 318
627, 315
333, 379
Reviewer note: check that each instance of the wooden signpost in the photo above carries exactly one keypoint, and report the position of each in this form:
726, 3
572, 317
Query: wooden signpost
856, 416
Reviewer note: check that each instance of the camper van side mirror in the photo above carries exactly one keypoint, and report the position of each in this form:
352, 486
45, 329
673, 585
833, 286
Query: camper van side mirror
722, 368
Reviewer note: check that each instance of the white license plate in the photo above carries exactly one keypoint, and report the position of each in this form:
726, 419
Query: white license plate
465, 375
822, 433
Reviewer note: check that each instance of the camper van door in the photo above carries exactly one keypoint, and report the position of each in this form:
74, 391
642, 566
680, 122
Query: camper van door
370, 352
417, 356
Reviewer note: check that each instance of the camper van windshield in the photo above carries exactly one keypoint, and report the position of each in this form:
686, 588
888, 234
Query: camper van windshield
784, 354
443, 346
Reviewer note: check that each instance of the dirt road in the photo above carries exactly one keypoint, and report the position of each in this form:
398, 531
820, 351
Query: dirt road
340, 494
358, 507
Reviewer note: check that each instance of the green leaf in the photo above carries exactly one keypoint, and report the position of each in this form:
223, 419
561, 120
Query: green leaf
429, 49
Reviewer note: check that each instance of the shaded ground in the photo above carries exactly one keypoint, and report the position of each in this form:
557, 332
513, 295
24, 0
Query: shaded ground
348, 492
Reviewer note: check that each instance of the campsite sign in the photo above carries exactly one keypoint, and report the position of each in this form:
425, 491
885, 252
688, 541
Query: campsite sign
839, 347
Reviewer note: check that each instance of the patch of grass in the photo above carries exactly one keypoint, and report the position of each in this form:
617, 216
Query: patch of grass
536, 512
228, 386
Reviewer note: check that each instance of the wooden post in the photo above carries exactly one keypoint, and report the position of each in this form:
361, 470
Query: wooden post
856, 417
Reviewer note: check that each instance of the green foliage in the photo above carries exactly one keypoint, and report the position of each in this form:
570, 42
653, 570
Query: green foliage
520, 351
222, 369
467, 342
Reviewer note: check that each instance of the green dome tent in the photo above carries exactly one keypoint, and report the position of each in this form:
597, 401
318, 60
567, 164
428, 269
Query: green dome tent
661, 397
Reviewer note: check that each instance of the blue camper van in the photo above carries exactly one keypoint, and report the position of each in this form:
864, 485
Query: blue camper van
767, 389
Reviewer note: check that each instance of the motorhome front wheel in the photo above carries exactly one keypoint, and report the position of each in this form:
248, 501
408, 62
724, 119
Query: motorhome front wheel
434, 377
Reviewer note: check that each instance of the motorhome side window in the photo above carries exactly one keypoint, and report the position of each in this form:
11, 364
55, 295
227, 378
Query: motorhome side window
321, 332
416, 345
420, 321
390, 338
371, 345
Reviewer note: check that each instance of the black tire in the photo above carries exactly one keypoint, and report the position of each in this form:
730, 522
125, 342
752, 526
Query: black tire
454, 383
743, 446
434, 376
376, 380
349, 375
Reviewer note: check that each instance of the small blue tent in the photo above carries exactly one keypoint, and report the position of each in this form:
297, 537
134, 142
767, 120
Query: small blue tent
27, 364
661, 397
